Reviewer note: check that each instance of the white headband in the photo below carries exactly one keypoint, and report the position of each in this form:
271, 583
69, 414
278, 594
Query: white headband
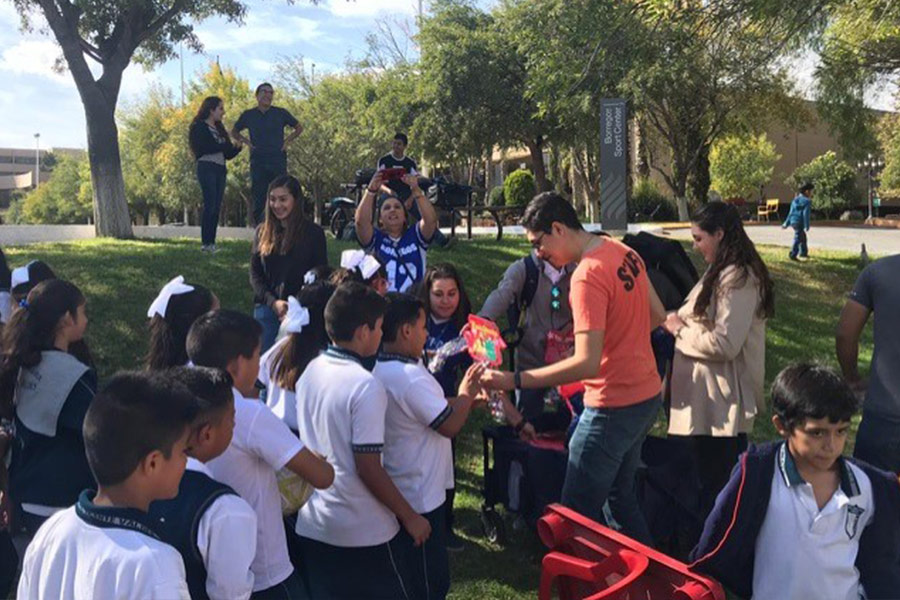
297, 316
367, 264
19, 276
175, 287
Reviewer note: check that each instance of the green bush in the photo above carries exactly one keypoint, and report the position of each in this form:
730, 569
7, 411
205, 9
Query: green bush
518, 189
741, 165
835, 183
648, 203
495, 198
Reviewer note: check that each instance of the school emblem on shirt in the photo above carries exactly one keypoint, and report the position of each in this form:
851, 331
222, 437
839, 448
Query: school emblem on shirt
852, 520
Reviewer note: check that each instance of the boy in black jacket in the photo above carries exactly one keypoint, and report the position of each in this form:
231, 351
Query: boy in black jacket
797, 519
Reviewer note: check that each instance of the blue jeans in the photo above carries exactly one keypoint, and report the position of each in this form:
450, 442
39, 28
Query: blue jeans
799, 246
878, 442
604, 454
261, 175
270, 324
212, 183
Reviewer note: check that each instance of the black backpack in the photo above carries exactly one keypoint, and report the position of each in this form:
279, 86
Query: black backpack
670, 270
515, 313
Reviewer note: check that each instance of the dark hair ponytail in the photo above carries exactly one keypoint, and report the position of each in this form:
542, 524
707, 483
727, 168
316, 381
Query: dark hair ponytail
168, 336
31, 330
736, 249
291, 359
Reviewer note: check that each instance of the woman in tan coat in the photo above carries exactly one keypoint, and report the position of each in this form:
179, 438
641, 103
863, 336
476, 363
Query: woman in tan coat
716, 385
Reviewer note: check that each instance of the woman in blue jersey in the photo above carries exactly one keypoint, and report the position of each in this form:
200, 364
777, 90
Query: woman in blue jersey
400, 249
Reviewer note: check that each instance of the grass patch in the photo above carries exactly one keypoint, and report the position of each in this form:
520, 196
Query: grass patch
120, 278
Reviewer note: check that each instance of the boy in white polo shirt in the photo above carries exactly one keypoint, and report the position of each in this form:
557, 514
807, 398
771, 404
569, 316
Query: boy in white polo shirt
135, 435
349, 535
212, 527
418, 426
261, 445
797, 519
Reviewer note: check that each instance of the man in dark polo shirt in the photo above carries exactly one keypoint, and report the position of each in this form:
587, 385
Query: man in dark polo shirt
397, 158
268, 146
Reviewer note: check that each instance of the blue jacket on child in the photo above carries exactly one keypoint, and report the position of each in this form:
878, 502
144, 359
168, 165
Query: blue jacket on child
728, 543
798, 217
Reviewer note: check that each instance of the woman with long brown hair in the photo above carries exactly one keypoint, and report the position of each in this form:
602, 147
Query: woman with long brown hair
211, 147
286, 246
716, 384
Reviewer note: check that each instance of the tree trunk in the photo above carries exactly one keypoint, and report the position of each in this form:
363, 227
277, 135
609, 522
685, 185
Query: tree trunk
700, 179
111, 217
536, 149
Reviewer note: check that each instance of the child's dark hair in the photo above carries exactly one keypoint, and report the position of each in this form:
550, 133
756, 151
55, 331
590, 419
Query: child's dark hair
168, 335
807, 187
403, 309
547, 208
133, 415
295, 353
352, 305
38, 271
402, 137
446, 271
211, 387
32, 329
808, 391
220, 336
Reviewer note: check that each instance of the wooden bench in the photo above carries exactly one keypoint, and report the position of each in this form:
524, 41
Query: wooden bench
767, 210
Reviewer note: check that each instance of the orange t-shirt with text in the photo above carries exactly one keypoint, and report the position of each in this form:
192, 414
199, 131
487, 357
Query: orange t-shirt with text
610, 292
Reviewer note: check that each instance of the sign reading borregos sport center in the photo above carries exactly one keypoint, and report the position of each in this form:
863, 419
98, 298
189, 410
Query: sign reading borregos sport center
613, 157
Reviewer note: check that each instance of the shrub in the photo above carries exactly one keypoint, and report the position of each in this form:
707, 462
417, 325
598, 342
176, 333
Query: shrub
835, 183
495, 198
518, 188
648, 203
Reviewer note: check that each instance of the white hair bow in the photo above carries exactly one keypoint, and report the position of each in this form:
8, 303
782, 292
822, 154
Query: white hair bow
367, 264
297, 316
175, 287
19, 276
309, 278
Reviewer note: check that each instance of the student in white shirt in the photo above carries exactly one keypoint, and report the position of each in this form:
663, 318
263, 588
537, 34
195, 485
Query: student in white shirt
281, 366
208, 523
261, 445
418, 426
135, 437
349, 535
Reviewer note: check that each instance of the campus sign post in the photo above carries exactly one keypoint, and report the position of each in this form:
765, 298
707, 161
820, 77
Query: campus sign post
613, 167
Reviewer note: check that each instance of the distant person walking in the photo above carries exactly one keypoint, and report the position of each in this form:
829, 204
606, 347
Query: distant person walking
211, 147
798, 218
268, 146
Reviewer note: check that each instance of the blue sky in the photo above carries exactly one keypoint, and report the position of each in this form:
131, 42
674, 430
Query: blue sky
37, 100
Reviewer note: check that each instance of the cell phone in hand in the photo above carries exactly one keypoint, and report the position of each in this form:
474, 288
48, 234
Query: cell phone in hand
393, 174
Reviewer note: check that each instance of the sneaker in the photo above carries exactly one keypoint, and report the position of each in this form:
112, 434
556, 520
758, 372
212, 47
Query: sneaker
792, 257
211, 248
454, 542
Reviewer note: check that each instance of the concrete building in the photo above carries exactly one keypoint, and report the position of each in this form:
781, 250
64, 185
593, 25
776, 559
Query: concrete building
18, 168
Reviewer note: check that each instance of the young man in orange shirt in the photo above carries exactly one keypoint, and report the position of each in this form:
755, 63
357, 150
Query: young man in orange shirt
614, 309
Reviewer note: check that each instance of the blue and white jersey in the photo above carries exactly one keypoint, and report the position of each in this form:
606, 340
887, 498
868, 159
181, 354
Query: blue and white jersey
403, 257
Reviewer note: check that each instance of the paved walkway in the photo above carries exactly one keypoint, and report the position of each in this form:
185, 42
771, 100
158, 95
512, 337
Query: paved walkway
849, 239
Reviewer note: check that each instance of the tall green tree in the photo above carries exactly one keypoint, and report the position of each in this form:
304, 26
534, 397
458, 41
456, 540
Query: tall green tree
740, 165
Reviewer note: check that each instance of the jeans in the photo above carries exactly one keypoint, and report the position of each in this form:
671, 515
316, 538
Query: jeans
799, 247
878, 442
261, 175
266, 317
604, 454
212, 183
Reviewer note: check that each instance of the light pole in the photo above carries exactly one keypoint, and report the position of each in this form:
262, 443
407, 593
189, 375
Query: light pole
871, 166
37, 160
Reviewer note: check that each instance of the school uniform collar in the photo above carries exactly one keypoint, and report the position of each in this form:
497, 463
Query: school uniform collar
366, 362
792, 477
195, 465
390, 356
112, 517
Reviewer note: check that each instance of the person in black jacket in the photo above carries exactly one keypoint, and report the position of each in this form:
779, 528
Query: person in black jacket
211, 147
797, 519
285, 247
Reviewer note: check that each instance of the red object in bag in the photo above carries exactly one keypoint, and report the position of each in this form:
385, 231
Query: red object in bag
592, 562
558, 345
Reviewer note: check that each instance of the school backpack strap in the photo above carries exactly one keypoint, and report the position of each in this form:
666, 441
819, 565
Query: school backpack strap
516, 310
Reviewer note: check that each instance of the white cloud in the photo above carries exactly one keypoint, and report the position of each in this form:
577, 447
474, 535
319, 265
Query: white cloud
261, 65
34, 57
372, 8
259, 29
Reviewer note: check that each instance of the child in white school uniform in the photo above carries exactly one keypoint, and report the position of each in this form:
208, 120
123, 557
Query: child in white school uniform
262, 444
212, 527
48, 391
135, 435
171, 314
349, 534
418, 426
280, 367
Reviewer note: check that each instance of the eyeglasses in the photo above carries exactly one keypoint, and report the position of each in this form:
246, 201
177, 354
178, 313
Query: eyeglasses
537, 242
555, 298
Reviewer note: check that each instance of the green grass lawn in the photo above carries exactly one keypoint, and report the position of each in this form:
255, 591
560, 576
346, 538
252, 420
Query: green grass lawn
121, 278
